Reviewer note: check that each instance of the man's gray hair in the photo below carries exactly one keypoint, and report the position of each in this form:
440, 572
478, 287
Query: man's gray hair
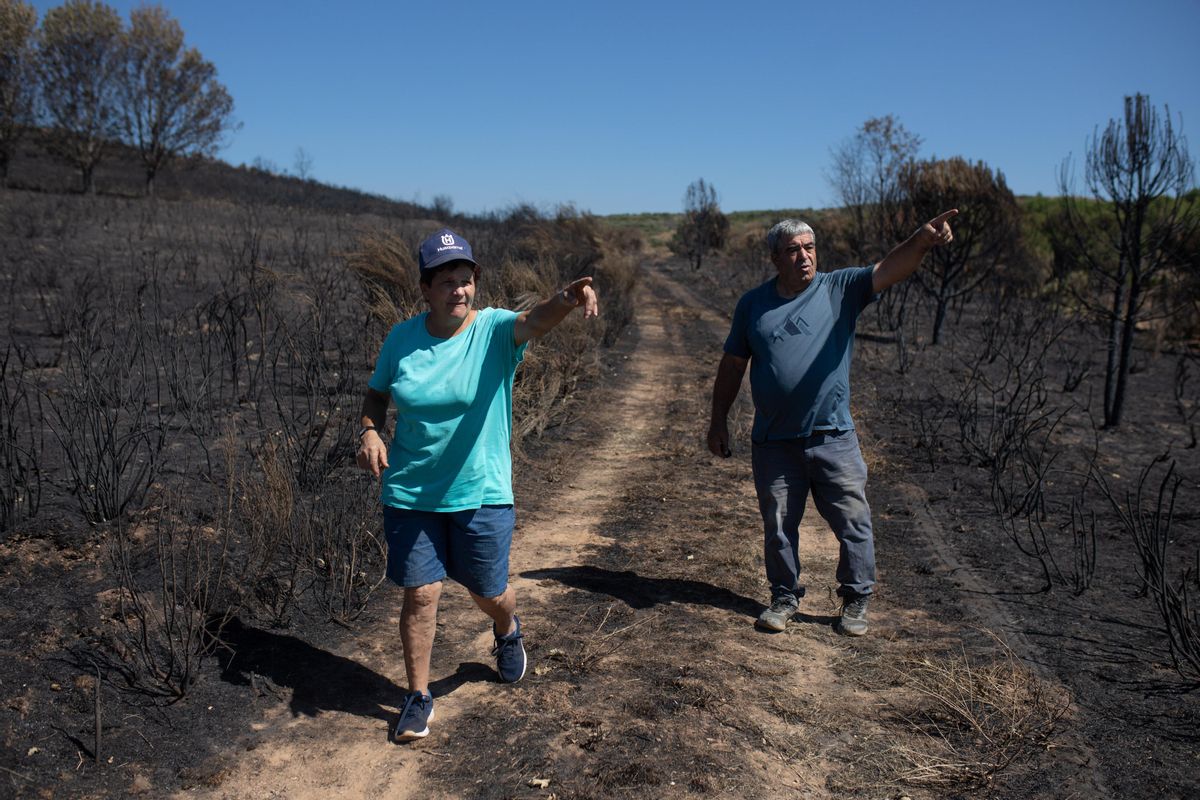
786, 230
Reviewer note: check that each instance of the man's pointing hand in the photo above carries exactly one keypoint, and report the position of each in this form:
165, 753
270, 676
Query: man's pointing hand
936, 232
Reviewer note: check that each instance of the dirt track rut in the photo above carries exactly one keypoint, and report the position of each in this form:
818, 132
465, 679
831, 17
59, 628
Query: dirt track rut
624, 522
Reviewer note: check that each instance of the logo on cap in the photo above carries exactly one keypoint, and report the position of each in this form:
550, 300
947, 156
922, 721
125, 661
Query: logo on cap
441, 247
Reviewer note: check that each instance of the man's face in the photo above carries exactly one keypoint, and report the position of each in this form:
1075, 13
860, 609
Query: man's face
796, 260
451, 293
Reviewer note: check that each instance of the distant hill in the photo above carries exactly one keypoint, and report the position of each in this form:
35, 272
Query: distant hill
657, 227
34, 168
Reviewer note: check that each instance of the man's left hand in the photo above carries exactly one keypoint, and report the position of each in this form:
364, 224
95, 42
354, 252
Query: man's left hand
936, 232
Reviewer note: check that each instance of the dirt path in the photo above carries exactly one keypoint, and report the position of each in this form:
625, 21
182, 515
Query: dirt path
638, 568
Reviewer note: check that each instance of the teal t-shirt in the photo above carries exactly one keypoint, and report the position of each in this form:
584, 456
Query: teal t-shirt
800, 351
453, 400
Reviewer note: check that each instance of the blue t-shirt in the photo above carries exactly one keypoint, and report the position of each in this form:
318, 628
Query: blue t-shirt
453, 399
799, 351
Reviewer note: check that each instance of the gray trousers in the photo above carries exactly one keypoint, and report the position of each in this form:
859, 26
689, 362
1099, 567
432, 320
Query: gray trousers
831, 466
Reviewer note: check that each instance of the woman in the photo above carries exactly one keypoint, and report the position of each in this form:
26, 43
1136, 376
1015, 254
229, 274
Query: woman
447, 476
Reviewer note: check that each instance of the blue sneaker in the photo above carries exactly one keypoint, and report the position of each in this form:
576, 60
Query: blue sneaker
414, 717
510, 654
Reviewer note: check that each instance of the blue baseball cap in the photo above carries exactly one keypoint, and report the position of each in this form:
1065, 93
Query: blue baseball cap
443, 247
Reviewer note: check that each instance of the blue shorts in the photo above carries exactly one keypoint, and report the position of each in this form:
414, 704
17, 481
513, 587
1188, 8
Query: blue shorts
469, 546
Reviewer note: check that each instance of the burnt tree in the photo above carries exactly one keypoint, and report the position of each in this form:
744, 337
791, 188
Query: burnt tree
1140, 172
986, 231
703, 228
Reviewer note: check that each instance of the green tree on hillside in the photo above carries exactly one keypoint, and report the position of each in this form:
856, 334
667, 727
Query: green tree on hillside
703, 228
18, 21
172, 104
1140, 171
80, 45
986, 231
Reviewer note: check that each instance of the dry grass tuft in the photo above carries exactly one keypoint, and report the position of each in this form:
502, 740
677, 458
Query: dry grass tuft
971, 720
811, 711
591, 645
383, 262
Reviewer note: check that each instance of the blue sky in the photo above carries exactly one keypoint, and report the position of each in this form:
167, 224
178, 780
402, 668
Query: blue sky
617, 106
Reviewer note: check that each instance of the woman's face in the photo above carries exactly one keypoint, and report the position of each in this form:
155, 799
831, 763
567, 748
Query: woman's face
451, 293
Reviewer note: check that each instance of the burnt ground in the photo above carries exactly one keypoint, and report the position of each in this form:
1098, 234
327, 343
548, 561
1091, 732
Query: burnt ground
638, 565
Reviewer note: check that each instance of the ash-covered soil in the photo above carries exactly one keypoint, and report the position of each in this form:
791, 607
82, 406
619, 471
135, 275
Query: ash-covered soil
638, 566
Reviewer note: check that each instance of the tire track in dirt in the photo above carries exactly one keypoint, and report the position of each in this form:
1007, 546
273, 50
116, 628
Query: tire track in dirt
896, 616
336, 754
973, 589
753, 689
670, 539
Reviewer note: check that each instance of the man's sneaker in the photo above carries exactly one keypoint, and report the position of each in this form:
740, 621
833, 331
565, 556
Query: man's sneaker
414, 717
776, 617
854, 615
510, 654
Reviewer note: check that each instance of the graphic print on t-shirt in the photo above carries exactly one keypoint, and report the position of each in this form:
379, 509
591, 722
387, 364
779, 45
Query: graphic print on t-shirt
792, 326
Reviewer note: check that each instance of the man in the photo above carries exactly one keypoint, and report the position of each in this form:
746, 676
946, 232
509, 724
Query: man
796, 333
447, 476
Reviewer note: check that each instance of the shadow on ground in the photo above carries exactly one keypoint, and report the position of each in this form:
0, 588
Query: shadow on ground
638, 591
467, 672
319, 680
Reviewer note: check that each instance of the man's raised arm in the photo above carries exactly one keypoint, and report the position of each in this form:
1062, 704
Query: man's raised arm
906, 256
